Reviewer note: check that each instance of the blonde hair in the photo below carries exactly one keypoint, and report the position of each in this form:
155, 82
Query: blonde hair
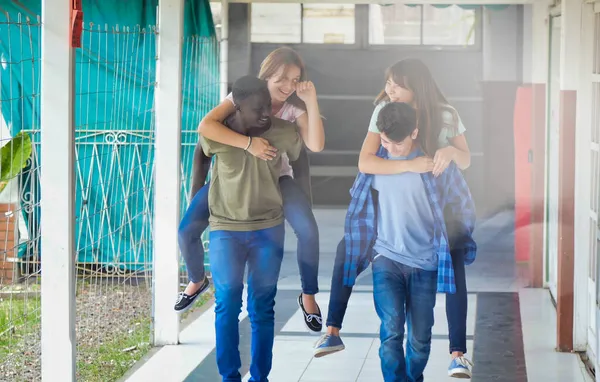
283, 57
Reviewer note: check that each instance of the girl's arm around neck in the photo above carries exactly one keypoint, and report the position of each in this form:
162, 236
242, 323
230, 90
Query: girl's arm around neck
370, 163
212, 126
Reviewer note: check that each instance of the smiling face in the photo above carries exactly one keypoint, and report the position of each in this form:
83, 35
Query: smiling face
282, 83
397, 93
255, 113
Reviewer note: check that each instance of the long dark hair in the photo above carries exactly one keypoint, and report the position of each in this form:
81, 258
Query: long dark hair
283, 57
412, 74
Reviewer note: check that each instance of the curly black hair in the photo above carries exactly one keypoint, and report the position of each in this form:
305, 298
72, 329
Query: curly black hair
247, 86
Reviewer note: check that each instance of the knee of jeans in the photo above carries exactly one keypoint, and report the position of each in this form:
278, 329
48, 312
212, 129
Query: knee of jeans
188, 232
228, 300
391, 326
261, 304
392, 336
420, 344
307, 232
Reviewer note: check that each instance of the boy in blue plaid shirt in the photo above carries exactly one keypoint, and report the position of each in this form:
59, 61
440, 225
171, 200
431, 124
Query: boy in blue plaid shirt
402, 217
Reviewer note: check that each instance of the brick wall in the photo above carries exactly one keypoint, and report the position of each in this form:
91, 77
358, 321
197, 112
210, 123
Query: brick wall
8, 224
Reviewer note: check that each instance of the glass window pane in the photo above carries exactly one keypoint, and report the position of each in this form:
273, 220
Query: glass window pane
276, 23
328, 24
396, 24
448, 26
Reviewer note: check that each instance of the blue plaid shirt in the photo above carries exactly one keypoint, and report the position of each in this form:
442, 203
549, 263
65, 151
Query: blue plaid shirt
447, 190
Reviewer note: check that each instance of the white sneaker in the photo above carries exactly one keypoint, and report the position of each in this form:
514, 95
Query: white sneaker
460, 367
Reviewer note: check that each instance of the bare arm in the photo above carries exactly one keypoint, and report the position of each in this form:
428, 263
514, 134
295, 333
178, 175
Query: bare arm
462, 154
212, 127
310, 126
370, 163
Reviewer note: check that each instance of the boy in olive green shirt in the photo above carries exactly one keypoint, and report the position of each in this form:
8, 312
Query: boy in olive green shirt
246, 220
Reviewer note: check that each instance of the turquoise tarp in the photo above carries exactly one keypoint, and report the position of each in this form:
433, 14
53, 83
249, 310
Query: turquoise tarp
114, 85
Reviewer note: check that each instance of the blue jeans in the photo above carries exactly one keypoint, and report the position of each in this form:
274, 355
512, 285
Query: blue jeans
298, 213
229, 253
340, 294
193, 224
403, 294
456, 304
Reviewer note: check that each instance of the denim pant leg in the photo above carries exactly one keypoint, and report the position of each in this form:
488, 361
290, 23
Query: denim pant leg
264, 264
298, 213
193, 224
389, 295
457, 305
340, 294
228, 254
420, 304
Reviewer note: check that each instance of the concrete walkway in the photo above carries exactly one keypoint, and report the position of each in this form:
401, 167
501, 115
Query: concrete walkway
510, 330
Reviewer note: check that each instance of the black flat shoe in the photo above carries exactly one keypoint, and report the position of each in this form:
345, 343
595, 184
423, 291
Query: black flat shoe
313, 321
186, 301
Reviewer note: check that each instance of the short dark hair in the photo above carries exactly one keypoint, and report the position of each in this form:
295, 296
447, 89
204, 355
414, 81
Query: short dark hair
247, 86
397, 121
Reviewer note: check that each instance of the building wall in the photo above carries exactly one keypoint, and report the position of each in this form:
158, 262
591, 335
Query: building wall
348, 78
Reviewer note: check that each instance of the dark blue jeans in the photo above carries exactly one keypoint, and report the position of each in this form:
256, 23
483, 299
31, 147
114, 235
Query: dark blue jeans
298, 213
456, 304
229, 252
340, 294
403, 294
193, 224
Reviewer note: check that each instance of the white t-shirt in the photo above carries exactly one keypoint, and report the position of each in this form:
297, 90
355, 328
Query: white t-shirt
450, 129
290, 113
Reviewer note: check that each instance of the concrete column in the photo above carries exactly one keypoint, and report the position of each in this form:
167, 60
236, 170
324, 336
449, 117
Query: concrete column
58, 193
539, 78
240, 47
569, 81
501, 78
167, 162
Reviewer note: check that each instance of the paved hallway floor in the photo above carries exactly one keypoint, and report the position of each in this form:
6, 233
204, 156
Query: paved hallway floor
510, 329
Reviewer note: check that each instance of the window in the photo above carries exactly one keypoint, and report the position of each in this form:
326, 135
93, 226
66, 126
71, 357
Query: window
400, 24
276, 23
302, 23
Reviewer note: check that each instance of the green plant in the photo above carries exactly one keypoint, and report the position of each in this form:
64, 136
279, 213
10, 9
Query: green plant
13, 157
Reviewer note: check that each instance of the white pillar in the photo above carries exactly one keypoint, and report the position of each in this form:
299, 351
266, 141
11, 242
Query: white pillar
167, 181
57, 193
539, 42
224, 57
570, 41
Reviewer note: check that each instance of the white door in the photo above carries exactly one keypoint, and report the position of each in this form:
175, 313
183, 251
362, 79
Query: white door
594, 229
553, 101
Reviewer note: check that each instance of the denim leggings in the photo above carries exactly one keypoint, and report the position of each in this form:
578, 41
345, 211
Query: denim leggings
298, 212
456, 304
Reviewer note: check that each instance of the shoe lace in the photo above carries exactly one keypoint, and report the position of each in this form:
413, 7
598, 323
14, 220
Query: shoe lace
310, 317
322, 340
464, 361
180, 297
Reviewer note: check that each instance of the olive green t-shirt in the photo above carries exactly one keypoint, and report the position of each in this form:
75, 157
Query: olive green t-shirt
244, 190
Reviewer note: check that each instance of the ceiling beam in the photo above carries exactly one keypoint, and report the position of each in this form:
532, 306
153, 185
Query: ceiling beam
462, 2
